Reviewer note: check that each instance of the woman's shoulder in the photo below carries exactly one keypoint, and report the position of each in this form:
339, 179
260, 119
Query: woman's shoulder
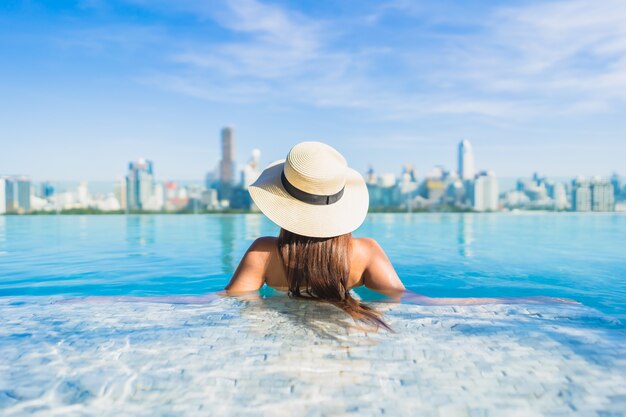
367, 244
366, 249
264, 243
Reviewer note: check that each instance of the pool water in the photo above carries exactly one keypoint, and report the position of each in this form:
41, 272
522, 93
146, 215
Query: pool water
61, 354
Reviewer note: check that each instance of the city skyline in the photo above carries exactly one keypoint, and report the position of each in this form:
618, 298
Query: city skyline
464, 189
91, 85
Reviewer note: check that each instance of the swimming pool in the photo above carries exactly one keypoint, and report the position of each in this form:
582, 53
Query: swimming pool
272, 355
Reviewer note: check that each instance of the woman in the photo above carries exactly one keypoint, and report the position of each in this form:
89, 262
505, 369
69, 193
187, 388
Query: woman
318, 201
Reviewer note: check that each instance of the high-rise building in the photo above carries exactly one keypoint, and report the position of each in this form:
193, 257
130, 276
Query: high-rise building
22, 190
139, 184
559, 195
485, 195
6, 195
466, 161
227, 164
594, 195
581, 195
617, 186
602, 197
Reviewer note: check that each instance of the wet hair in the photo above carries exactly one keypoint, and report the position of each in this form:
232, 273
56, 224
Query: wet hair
318, 269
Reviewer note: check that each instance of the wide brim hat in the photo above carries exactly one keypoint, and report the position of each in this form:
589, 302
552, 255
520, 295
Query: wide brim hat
312, 193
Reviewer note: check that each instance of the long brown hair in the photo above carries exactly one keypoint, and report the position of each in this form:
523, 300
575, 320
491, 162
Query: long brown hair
318, 269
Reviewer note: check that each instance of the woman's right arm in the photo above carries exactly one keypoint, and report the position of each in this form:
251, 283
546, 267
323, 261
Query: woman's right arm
380, 274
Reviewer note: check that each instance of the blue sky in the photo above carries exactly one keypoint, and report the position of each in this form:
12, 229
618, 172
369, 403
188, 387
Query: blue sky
88, 85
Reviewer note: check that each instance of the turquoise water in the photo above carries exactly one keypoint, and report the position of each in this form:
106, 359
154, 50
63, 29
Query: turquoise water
268, 355
449, 255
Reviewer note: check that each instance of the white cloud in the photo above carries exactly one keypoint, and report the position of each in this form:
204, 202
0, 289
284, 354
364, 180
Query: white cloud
557, 57
274, 43
572, 49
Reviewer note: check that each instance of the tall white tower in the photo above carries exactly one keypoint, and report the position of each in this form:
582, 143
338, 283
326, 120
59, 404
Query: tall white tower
466, 160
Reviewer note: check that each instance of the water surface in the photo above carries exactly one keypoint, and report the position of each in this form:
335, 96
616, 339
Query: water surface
577, 256
267, 355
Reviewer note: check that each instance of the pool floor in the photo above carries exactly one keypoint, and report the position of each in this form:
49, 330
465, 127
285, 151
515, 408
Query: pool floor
280, 357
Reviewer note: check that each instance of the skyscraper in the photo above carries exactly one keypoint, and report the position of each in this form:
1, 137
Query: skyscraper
559, 196
15, 193
581, 195
602, 196
6, 190
227, 168
227, 165
466, 161
617, 186
139, 184
23, 192
485, 195
594, 195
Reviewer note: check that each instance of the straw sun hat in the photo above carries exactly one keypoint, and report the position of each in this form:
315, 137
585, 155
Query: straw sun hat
312, 193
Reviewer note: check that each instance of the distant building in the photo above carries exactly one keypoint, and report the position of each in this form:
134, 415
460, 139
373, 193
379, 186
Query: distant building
227, 164
602, 196
22, 193
407, 186
485, 195
240, 199
539, 193
209, 199
47, 189
370, 177
6, 195
156, 201
139, 184
454, 192
194, 197
121, 193
251, 170
515, 199
559, 196
82, 194
435, 189
594, 195
616, 182
384, 193
108, 202
466, 161
176, 198
581, 195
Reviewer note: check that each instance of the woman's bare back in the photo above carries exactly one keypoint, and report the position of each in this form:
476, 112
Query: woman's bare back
369, 266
